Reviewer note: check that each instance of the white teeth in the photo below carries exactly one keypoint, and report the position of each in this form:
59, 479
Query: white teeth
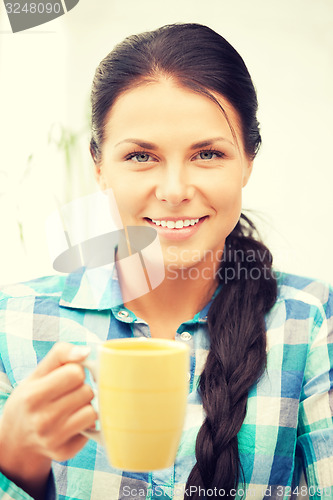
179, 224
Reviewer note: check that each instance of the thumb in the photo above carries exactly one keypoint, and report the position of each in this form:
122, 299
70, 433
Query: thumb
60, 354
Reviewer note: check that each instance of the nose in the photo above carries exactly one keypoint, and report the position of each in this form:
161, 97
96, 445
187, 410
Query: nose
174, 186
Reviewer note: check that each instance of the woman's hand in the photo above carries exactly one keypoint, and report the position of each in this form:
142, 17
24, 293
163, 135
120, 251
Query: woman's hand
43, 418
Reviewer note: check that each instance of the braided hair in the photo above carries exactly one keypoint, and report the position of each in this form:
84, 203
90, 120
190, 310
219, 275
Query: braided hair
237, 357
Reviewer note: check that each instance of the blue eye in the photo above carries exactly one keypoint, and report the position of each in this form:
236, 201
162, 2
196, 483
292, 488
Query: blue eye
140, 157
209, 154
206, 155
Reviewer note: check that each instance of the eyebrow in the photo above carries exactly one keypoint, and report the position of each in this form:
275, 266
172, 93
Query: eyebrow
208, 142
154, 147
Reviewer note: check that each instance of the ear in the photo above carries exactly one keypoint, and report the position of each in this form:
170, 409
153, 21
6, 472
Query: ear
98, 171
100, 177
247, 170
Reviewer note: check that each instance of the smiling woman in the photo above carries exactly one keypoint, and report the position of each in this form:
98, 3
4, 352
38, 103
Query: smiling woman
174, 135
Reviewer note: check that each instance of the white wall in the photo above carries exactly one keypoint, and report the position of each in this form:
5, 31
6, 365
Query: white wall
46, 75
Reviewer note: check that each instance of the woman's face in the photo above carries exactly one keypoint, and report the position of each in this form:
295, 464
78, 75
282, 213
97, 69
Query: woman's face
173, 164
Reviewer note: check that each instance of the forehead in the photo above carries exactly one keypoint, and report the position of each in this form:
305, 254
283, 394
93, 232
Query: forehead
164, 107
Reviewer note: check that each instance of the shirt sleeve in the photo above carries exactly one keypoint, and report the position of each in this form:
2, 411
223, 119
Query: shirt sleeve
5, 387
315, 430
8, 489
11, 491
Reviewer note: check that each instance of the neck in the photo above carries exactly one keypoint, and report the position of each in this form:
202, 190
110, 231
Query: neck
182, 294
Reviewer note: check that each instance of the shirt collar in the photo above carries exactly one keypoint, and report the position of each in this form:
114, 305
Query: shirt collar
92, 288
99, 289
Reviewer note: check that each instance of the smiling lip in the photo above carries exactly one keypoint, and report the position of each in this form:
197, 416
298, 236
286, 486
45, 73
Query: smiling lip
177, 233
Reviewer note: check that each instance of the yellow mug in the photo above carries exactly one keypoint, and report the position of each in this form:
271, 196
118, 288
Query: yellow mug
142, 394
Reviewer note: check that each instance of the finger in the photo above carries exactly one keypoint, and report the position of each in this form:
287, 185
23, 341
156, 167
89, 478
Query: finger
60, 354
67, 427
64, 407
58, 383
69, 450
79, 421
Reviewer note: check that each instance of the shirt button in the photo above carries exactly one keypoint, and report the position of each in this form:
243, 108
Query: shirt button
123, 314
185, 336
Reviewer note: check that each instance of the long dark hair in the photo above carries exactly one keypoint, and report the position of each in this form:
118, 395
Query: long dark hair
198, 58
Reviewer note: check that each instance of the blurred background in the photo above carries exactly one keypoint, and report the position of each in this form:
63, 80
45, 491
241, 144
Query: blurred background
46, 74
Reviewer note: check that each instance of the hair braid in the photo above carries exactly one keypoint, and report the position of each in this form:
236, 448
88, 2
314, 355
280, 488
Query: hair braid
237, 357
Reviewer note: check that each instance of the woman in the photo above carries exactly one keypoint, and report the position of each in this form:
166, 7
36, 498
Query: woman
174, 135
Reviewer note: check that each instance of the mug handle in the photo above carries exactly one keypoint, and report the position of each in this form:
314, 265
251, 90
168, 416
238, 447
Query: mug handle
91, 365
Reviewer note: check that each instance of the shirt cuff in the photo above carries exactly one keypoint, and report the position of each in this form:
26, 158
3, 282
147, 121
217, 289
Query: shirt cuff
11, 490
14, 492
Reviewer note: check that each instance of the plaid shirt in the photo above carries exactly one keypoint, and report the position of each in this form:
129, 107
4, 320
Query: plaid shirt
288, 424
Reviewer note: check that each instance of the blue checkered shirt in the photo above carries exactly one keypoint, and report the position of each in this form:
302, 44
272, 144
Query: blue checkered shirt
288, 425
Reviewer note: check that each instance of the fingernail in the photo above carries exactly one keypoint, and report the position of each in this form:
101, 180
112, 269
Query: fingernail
79, 352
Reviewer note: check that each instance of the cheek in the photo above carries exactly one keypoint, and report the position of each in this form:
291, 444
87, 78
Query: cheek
125, 202
131, 191
122, 193
228, 197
